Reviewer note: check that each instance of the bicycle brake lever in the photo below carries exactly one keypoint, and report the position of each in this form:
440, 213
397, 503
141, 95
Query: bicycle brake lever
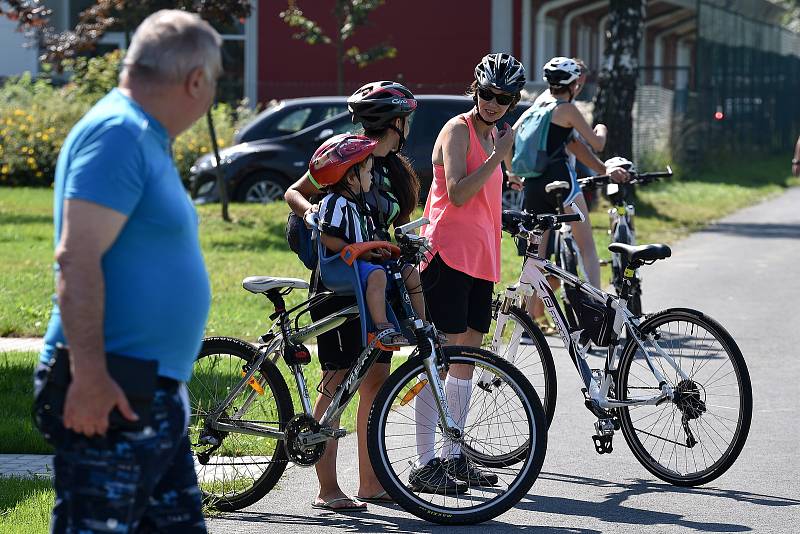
577, 211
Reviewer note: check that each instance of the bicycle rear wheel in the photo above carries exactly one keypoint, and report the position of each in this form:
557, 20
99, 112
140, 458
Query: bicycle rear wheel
502, 421
235, 470
699, 434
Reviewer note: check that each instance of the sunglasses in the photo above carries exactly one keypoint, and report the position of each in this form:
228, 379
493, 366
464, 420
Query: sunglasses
489, 95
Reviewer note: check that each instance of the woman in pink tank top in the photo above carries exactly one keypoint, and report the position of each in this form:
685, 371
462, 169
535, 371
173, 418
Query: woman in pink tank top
465, 210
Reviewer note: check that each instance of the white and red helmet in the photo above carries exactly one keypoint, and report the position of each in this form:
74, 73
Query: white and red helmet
332, 159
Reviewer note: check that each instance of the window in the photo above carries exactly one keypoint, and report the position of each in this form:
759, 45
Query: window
293, 122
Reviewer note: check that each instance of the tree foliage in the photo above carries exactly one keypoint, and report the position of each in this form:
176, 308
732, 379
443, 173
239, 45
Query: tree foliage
349, 15
33, 17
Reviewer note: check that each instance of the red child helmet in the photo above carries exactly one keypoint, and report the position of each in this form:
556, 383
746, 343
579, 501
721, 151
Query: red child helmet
332, 159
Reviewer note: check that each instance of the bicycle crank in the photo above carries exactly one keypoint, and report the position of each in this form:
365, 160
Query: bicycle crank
298, 448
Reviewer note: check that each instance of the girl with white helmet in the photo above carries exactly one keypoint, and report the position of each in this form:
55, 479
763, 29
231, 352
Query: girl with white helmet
565, 78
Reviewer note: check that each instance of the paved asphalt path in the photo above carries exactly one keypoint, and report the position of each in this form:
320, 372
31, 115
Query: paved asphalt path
742, 271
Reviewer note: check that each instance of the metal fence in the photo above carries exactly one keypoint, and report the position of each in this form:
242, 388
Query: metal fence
747, 76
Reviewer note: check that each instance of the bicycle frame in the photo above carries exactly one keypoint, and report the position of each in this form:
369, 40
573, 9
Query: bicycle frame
281, 330
532, 282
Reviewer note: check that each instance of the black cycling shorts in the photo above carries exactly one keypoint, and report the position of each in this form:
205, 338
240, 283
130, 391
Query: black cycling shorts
537, 200
339, 348
456, 300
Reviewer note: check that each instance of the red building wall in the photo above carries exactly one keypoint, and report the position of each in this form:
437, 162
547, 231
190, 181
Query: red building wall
438, 45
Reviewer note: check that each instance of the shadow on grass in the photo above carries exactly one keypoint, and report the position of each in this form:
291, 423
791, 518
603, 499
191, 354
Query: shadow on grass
16, 490
17, 433
25, 218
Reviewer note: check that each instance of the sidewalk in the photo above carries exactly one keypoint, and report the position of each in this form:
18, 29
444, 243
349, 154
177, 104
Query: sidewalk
21, 344
26, 465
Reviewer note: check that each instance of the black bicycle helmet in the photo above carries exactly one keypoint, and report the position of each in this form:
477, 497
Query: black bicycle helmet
376, 104
501, 71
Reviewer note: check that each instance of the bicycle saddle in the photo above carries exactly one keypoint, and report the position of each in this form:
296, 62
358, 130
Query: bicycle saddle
555, 186
262, 284
652, 252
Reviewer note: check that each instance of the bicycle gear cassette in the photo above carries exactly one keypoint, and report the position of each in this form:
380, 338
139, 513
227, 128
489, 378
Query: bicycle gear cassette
297, 432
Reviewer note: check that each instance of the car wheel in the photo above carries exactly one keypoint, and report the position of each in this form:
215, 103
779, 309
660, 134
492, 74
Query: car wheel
261, 187
512, 199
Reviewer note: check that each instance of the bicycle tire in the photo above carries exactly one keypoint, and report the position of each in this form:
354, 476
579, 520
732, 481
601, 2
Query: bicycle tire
215, 492
446, 509
698, 397
537, 365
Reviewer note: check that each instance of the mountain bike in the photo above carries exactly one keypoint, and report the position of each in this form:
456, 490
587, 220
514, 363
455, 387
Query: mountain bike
621, 228
244, 429
676, 385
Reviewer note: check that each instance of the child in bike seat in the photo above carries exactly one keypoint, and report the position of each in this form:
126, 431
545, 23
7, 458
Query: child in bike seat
342, 165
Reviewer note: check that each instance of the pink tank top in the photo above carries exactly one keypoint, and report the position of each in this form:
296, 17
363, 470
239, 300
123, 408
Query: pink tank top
467, 238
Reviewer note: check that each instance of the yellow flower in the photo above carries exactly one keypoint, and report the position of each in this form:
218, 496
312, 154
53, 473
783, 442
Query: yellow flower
38, 134
31, 162
203, 149
45, 137
24, 150
39, 174
4, 169
18, 112
222, 142
51, 130
30, 118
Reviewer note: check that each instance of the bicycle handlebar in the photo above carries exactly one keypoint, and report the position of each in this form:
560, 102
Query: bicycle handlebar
413, 225
636, 178
514, 219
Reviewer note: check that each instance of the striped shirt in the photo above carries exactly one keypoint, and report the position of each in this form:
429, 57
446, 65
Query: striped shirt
341, 217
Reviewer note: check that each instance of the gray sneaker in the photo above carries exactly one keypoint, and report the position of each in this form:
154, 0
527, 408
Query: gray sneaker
461, 468
432, 478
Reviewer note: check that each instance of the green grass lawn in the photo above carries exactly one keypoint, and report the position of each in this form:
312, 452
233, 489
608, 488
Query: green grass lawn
25, 505
254, 244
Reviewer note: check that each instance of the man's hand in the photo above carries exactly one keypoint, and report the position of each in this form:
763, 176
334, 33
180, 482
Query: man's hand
90, 398
618, 174
515, 182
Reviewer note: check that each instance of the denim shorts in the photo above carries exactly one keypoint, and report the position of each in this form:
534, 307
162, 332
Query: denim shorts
126, 481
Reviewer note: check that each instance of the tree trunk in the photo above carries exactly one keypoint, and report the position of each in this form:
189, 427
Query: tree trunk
222, 187
616, 87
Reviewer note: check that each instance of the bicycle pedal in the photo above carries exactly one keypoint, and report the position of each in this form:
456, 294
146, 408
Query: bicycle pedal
603, 444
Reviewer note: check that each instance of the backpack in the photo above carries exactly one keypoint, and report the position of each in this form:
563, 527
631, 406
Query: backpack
298, 235
530, 146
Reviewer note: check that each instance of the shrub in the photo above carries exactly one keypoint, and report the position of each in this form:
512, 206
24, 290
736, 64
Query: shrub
36, 116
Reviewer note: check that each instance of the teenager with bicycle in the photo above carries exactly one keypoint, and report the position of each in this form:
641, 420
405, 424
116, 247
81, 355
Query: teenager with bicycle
383, 109
565, 79
464, 207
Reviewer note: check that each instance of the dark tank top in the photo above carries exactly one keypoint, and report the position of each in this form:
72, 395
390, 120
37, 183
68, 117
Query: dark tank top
557, 137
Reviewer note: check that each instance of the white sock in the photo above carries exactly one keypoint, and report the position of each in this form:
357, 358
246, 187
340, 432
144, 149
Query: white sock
458, 393
426, 416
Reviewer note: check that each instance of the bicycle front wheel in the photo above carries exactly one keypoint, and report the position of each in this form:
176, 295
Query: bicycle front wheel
517, 339
699, 434
234, 469
497, 421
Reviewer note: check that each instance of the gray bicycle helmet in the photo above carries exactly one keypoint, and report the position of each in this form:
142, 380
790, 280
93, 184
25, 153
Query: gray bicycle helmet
376, 104
561, 71
501, 71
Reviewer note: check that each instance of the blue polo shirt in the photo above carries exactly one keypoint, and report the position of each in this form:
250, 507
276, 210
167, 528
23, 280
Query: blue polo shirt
157, 293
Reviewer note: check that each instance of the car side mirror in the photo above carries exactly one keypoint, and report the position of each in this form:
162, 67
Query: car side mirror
324, 134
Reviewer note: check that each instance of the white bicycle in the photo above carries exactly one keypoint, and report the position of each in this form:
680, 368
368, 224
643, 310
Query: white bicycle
676, 384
